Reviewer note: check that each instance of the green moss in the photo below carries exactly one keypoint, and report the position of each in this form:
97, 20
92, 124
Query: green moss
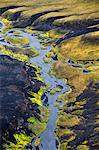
57, 104
55, 90
57, 33
22, 140
67, 120
82, 147
37, 142
20, 57
17, 41
44, 114
37, 100
43, 47
37, 96
46, 34
31, 120
47, 60
37, 127
16, 32
29, 29
65, 96
78, 112
8, 24
49, 54
92, 68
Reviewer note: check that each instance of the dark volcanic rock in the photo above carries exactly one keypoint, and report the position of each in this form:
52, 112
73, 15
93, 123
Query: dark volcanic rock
15, 106
13, 80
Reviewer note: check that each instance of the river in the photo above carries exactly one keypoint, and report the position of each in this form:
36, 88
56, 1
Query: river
48, 138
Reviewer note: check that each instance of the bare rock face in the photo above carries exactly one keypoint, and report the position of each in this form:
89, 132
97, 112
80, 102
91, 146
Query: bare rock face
13, 80
15, 106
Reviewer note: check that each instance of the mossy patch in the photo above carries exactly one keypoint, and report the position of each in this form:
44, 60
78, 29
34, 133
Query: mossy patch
82, 147
16, 32
17, 41
67, 120
92, 68
8, 25
37, 127
55, 90
31, 120
49, 54
47, 60
44, 113
37, 96
22, 54
57, 33
37, 142
20, 57
57, 104
22, 140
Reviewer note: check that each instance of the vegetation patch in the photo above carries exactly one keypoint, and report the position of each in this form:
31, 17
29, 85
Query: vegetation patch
47, 60
8, 25
18, 56
55, 90
71, 130
17, 41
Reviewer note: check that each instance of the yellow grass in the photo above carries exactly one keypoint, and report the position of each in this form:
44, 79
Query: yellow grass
74, 10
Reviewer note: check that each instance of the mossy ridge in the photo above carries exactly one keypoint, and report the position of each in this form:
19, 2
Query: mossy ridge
22, 140
22, 54
7, 24
34, 125
20, 57
37, 96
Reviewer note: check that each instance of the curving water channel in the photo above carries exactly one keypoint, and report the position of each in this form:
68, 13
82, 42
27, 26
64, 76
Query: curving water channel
48, 138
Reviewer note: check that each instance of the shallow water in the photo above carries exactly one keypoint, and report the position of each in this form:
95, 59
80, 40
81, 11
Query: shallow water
48, 138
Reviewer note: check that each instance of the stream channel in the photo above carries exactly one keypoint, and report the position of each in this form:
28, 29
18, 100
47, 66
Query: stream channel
48, 138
